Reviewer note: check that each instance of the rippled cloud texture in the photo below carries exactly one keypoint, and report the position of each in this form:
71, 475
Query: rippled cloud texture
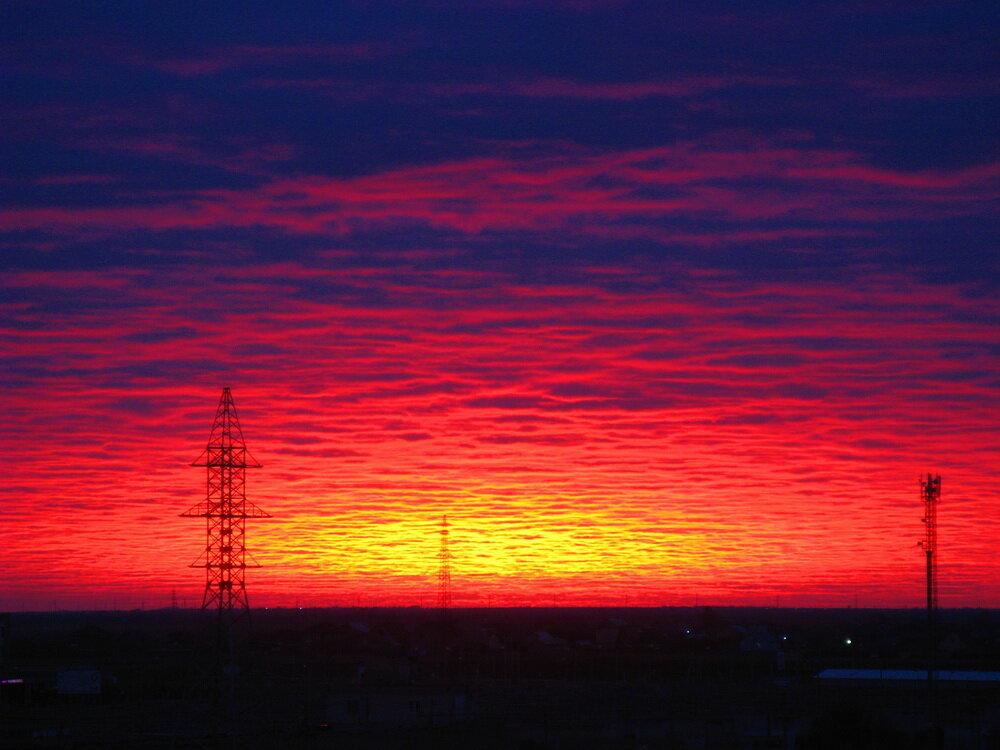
659, 302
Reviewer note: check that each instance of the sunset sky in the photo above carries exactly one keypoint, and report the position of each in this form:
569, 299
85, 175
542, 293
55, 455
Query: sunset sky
661, 303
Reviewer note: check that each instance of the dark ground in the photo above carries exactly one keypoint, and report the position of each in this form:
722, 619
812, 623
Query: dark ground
540, 678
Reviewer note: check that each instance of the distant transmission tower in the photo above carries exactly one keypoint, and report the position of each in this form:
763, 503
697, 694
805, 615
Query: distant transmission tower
930, 493
225, 510
444, 571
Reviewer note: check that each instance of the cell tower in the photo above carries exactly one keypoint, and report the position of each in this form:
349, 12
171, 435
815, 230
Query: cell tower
444, 571
225, 510
930, 493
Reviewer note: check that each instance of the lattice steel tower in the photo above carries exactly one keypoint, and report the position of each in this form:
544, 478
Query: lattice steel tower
444, 570
225, 510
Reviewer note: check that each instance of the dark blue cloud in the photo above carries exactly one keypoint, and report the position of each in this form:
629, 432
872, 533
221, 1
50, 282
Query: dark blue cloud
113, 105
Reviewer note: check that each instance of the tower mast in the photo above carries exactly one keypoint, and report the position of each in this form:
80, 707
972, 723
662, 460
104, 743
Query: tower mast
225, 510
930, 493
444, 569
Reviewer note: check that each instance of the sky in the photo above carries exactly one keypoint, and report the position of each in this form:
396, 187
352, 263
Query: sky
661, 303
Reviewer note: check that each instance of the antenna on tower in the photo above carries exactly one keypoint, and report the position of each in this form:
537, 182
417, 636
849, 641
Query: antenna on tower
444, 570
225, 510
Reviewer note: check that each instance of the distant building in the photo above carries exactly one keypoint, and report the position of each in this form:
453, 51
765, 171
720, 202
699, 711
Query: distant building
759, 640
79, 682
397, 707
954, 676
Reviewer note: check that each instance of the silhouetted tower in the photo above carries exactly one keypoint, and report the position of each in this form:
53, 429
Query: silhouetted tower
225, 510
930, 493
444, 570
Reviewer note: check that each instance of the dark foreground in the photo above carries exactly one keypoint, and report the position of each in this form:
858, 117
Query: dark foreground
750, 679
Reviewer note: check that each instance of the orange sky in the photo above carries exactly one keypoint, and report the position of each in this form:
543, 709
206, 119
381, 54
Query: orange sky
588, 447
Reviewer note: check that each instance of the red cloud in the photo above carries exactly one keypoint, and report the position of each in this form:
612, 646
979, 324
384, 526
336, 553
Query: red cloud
711, 435
732, 181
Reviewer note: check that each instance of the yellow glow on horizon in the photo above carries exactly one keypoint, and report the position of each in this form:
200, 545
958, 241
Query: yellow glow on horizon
489, 535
